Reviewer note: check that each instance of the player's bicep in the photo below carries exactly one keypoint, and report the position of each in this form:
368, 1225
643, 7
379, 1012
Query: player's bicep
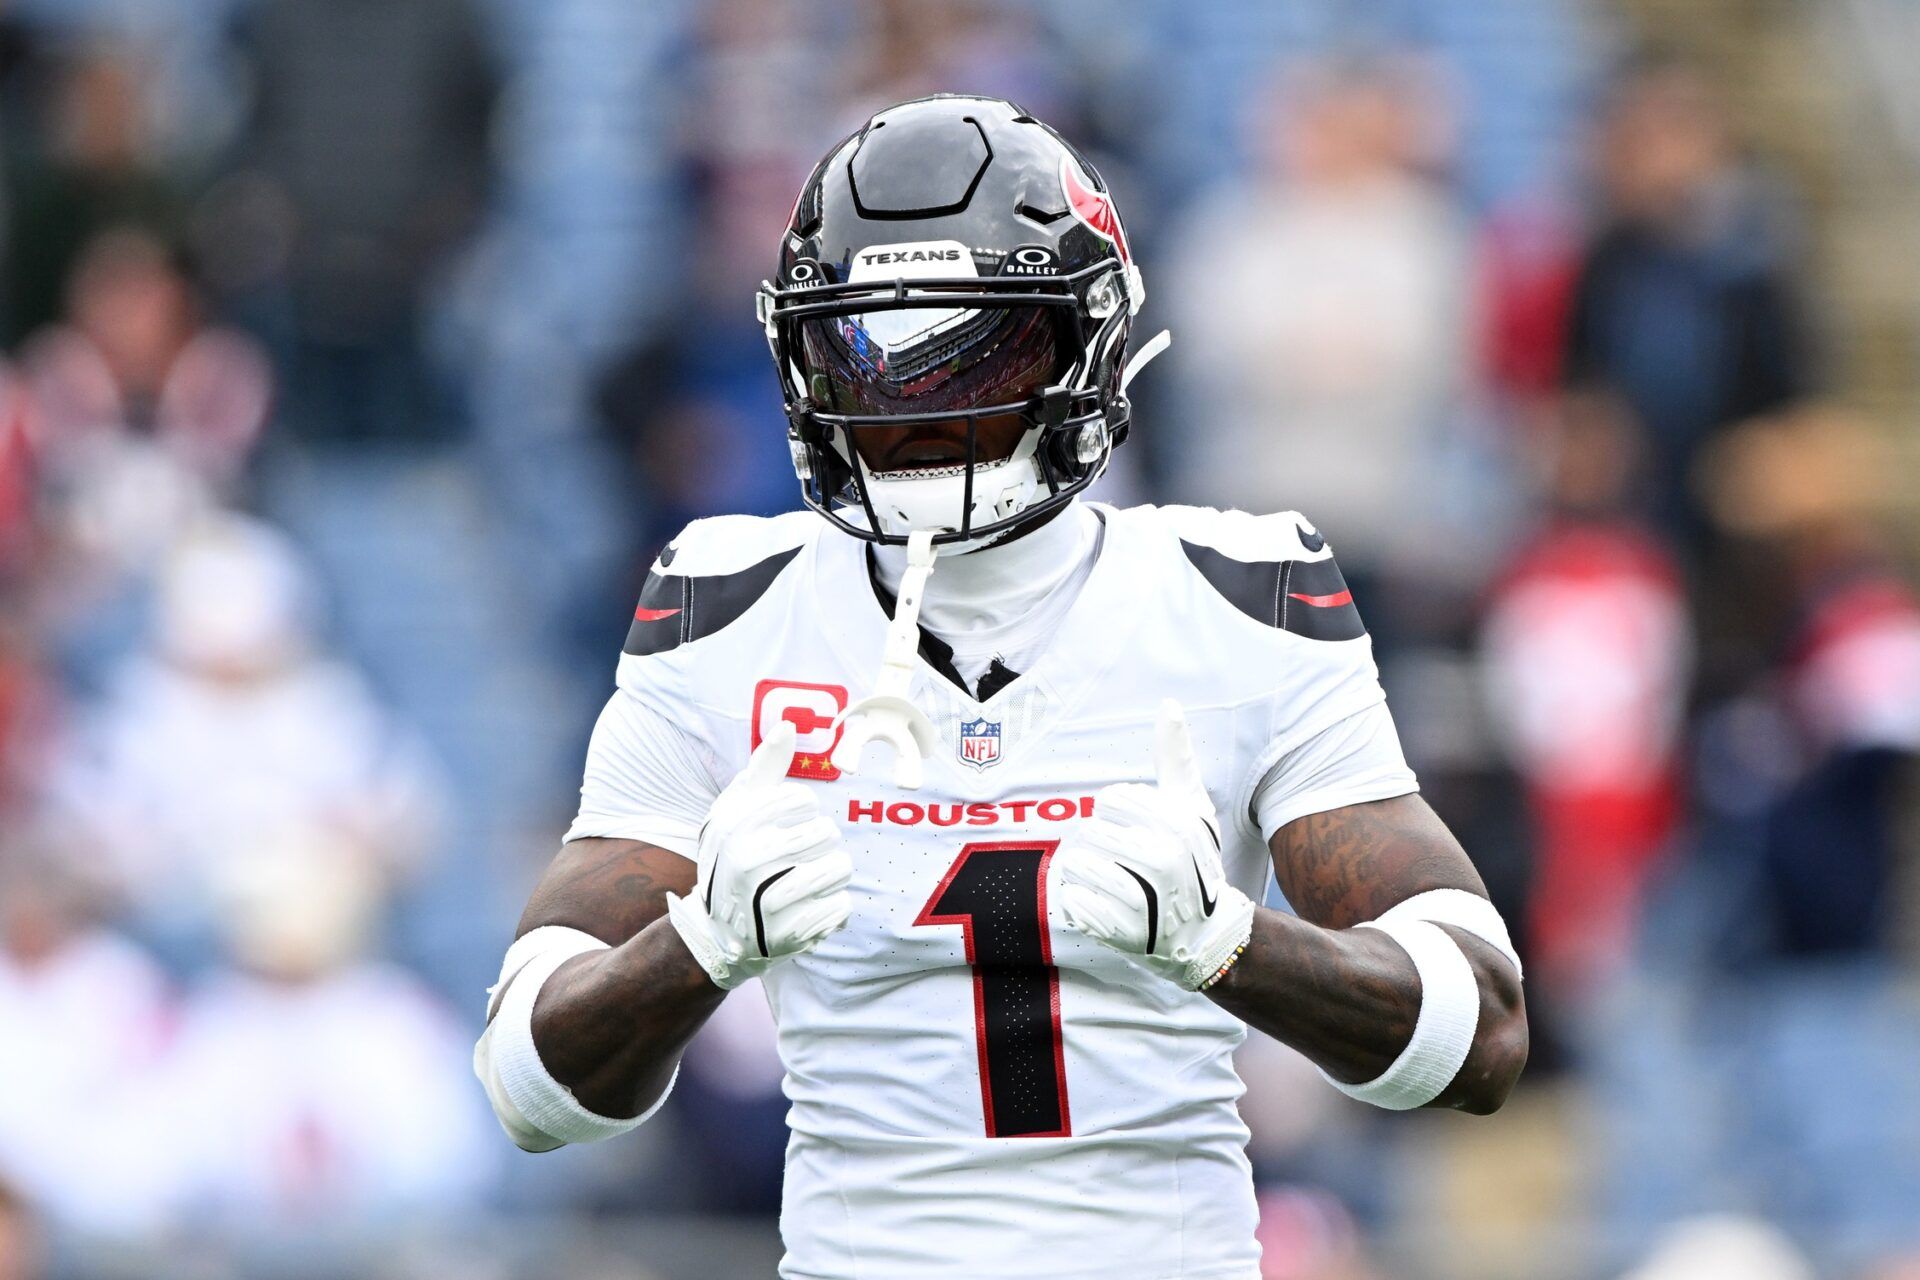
646, 790
609, 888
1341, 866
645, 793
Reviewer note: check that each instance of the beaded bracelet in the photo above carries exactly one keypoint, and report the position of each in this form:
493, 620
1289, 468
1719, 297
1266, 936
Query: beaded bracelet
1221, 972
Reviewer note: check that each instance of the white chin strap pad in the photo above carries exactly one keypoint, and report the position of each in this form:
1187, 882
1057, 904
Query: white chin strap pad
887, 714
1449, 994
537, 1111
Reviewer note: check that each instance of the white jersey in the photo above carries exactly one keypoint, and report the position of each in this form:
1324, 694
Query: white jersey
976, 1089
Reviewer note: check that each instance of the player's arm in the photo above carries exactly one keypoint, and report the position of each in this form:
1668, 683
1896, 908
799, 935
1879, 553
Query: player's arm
1397, 977
1349, 998
627, 948
610, 1024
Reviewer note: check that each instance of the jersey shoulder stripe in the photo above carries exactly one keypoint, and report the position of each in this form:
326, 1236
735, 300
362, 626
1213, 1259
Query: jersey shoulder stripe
709, 576
1276, 569
1306, 597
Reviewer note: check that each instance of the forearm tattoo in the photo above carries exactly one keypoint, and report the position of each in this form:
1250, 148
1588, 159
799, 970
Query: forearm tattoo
611, 889
1347, 865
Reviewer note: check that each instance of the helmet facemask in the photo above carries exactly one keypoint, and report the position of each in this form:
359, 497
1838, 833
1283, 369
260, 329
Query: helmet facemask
964, 406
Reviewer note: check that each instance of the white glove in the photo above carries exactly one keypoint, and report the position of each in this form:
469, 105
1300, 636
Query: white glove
773, 872
1143, 875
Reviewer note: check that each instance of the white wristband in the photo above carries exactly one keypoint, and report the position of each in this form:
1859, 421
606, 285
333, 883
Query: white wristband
1443, 1032
530, 1103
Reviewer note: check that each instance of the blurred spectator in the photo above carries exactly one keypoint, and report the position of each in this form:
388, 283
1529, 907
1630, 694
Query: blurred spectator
1831, 729
1791, 896
1587, 649
310, 1085
21, 1250
697, 405
235, 727
142, 415
1529, 264
358, 177
1684, 300
699, 408
1321, 315
89, 1018
92, 170
709, 448
136, 356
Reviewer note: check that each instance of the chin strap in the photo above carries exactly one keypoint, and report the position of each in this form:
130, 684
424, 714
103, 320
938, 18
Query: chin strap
1148, 350
886, 715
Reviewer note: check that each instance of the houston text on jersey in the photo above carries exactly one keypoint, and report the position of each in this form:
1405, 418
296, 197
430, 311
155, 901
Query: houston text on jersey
910, 813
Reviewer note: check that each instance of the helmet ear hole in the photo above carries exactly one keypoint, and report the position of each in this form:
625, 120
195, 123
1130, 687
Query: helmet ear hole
1073, 450
1090, 442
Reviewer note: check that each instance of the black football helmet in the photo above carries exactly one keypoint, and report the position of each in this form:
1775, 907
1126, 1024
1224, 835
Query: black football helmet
954, 263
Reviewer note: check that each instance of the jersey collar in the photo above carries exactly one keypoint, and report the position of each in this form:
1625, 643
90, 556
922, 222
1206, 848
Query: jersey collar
1092, 636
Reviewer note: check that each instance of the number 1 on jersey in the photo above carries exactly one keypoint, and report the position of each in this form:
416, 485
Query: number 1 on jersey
997, 894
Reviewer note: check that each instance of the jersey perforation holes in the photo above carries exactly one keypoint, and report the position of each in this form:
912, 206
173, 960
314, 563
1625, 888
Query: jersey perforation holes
996, 891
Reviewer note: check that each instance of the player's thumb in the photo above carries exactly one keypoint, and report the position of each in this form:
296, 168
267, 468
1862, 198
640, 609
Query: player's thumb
772, 759
1175, 767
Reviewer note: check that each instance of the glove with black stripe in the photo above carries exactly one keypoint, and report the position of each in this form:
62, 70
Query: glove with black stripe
1144, 876
773, 872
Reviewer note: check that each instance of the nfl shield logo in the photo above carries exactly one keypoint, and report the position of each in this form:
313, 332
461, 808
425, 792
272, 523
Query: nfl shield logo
979, 742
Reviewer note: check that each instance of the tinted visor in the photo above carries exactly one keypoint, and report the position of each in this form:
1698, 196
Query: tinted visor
931, 359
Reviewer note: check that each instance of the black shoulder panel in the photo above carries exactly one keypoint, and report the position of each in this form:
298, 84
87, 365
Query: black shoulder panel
1306, 597
675, 608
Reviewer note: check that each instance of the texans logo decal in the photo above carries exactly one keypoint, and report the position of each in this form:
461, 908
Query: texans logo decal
1092, 207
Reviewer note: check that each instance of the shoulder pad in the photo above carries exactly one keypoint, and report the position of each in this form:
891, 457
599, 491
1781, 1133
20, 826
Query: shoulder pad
1276, 569
712, 573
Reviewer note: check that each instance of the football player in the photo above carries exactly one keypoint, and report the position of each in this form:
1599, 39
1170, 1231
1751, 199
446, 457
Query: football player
982, 780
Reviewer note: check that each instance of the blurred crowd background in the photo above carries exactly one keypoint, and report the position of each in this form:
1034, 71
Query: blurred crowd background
360, 353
